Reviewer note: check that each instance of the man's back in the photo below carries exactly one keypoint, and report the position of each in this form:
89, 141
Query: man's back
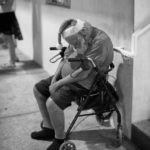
100, 49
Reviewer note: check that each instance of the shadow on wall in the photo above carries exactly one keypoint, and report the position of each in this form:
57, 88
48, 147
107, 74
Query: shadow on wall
123, 84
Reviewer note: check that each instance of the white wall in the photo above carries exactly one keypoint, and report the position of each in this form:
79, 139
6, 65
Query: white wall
141, 71
141, 77
142, 13
114, 16
37, 32
24, 16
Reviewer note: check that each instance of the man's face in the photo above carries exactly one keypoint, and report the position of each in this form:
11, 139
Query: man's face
78, 42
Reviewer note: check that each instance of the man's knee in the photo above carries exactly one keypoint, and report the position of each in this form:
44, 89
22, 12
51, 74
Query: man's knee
52, 106
37, 94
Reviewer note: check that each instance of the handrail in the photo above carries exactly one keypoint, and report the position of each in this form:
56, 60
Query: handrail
135, 36
141, 31
123, 52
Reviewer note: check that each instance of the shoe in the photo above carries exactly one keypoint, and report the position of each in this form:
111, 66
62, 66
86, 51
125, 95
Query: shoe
56, 144
44, 134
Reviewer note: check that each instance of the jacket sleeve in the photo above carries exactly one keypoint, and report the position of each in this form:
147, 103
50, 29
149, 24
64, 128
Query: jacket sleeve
101, 52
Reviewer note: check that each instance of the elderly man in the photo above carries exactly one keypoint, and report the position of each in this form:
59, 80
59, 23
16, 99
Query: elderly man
56, 93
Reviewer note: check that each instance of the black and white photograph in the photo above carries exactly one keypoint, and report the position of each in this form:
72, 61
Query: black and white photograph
74, 75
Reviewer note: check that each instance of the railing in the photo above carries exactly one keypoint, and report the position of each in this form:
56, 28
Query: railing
134, 43
135, 37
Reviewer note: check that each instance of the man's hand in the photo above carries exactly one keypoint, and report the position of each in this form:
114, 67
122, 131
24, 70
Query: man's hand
53, 80
54, 87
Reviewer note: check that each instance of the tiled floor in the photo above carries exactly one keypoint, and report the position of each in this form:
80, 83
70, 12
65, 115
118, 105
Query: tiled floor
19, 114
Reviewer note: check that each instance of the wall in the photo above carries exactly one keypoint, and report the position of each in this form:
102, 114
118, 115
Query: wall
141, 71
24, 16
113, 16
141, 74
142, 14
37, 32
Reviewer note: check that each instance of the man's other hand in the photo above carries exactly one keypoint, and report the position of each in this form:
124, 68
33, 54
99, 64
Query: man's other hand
53, 87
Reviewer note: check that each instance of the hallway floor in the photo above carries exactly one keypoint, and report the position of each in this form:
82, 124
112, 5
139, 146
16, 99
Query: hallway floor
19, 114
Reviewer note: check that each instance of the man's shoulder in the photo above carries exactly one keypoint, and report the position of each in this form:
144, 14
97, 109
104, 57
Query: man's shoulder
99, 36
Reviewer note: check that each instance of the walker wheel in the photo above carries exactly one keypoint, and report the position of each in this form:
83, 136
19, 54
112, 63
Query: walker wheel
68, 145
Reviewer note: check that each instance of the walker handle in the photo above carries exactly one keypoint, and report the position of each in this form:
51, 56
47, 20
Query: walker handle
76, 59
83, 61
59, 55
53, 48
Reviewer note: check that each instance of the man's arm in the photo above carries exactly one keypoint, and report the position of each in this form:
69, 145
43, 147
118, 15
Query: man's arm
77, 75
57, 73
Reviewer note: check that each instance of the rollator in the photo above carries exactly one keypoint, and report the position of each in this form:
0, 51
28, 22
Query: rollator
102, 90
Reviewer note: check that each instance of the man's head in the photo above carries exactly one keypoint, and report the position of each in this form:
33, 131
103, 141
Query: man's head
76, 32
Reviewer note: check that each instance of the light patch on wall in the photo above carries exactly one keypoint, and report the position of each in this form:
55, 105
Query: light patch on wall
62, 3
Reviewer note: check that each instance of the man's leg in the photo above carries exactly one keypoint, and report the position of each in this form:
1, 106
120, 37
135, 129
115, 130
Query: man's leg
57, 119
41, 100
47, 132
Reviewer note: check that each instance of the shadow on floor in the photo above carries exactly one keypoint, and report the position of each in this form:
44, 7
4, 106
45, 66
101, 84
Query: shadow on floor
96, 138
26, 65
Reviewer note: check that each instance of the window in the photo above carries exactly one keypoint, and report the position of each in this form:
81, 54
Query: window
62, 3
